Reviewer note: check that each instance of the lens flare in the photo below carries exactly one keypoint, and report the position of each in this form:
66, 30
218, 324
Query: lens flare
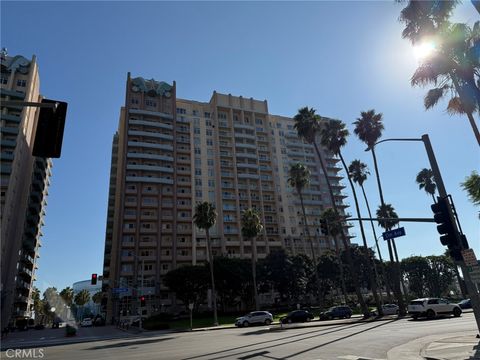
424, 50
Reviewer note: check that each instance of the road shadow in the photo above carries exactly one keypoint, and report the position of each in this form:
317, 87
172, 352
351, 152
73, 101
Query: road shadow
129, 343
439, 317
476, 354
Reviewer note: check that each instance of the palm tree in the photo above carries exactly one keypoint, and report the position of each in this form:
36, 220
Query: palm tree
426, 181
204, 218
368, 129
334, 137
299, 178
251, 227
472, 186
453, 67
335, 227
308, 126
82, 298
67, 295
359, 173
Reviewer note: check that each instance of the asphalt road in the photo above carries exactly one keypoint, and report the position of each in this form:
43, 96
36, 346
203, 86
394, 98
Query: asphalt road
340, 341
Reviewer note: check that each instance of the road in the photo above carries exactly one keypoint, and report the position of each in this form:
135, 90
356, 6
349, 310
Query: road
339, 341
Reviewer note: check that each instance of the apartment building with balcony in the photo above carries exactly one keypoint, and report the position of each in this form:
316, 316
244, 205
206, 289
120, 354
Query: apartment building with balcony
24, 187
169, 154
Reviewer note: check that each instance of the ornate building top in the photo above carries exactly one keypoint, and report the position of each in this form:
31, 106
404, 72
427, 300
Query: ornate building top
151, 87
15, 64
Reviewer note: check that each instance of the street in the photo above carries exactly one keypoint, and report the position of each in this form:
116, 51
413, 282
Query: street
314, 341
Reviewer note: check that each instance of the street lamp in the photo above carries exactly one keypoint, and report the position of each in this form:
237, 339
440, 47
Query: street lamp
471, 288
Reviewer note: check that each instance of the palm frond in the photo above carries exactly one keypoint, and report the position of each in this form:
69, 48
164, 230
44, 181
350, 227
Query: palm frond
433, 96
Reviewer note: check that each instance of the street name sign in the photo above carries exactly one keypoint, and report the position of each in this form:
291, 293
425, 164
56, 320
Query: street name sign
119, 290
387, 235
469, 257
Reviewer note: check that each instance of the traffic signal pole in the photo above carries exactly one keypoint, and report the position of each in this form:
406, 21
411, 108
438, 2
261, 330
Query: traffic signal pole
471, 288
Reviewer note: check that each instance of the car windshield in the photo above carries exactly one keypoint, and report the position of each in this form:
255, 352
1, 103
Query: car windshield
332, 308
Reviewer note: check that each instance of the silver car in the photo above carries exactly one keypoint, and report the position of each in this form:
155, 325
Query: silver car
254, 318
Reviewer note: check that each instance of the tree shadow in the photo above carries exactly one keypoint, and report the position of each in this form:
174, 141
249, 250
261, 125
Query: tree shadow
439, 317
476, 354
129, 343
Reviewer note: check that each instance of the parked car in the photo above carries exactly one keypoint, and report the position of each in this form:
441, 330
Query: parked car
39, 327
390, 309
254, 318
465, 304
98, 321
340, 312
86, 322
432, 307
297, 316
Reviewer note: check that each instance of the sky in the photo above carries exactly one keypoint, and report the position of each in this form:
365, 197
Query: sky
340, 58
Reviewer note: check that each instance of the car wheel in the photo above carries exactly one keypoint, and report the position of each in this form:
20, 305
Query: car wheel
457, 312
308, 319
245, 324
268, 322
349, 316
414, 317
289, 321
430, 314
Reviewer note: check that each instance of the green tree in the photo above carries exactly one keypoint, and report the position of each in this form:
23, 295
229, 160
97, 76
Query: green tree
233, 280
416, 269
472, 186
369, 128
453, 67
299, 179
426, 181
67, 295
334, 137
328, 269
359, 174
251, 227
204, 218
189, 283
440, 276
335, 227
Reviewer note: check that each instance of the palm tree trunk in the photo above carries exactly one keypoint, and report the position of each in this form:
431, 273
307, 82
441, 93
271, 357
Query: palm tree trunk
314, 258
346, 245
396, 265
469, 114
254, 272
342, 272
212, 278
382, 269
434, 200
371, 273
305, 225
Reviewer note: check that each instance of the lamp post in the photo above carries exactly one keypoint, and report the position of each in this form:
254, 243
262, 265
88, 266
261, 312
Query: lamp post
471, 288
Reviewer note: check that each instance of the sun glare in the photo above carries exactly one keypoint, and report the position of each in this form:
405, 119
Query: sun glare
423, 50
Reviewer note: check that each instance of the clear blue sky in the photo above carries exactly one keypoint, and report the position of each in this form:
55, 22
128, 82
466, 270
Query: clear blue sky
338, 57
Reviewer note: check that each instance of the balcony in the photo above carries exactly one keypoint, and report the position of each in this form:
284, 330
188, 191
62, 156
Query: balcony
246, 155
150, 134
249, 176
243, 126
150, 145
150, 168
151, 113
149, 156
246, 145
146, 179
151, 123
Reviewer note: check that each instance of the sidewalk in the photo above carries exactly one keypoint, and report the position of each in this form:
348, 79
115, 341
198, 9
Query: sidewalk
453, 346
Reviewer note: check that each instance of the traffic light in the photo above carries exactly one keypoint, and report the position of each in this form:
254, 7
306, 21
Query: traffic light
142, 301
446, 228
49, 132
94, 279
324, 226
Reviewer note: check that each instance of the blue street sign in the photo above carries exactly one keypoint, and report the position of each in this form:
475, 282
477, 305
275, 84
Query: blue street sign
387, 235
119, 290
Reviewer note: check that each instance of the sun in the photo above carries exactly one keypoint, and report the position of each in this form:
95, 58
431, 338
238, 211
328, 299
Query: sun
423, 50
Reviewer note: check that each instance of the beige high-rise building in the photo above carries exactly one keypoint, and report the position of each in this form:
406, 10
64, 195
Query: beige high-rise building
24, 187
168, 154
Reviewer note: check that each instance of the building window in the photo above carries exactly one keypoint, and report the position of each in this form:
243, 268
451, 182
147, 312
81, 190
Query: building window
181, 111
210, 162
150, 103
206, 114
21, 83
196, 131
209, 142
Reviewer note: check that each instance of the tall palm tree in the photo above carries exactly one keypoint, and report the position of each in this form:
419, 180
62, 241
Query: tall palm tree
368, 129
82, 298
359, 173
204, 218
308, 126
299, 178
453, 68
67, 295
334, 137
251, 227
426, 181
335, 227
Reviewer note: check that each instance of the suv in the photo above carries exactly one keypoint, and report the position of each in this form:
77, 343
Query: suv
255, 317
336, 312
431, 307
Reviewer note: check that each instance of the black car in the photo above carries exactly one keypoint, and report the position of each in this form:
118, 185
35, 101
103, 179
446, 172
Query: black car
339, 312
465, 304
297, 316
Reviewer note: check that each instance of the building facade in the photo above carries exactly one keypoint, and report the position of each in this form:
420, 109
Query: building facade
24, 187
168, 154
91, 306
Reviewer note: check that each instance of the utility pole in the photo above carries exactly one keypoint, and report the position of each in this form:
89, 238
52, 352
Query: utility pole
471, 288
